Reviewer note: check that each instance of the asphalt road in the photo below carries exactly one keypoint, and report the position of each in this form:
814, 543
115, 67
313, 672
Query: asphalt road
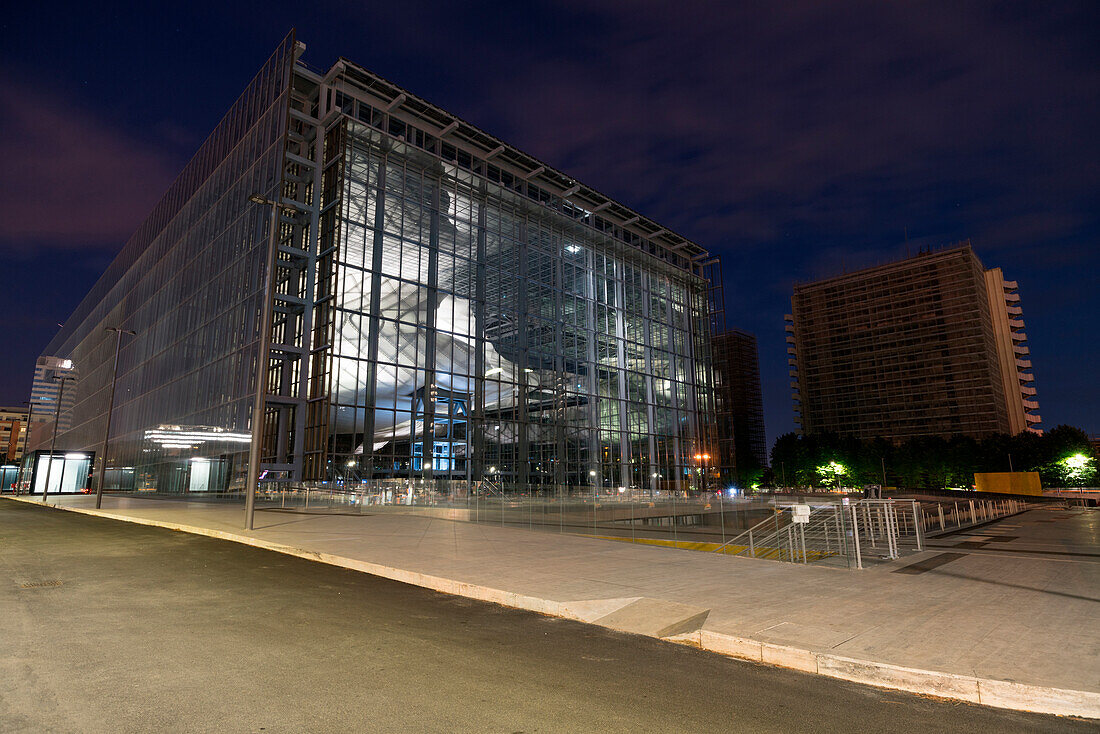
107, 626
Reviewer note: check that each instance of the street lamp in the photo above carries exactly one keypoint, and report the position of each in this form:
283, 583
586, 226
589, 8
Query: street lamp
53, 442
110, 409
254, 449
27, 435
702, 459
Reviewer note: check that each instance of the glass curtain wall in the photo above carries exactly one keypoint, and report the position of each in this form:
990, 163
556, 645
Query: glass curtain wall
189, 284
479, 340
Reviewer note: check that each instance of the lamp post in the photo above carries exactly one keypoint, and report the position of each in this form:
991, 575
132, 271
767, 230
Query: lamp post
53, 442
110, 409
27, 435
702, 459
266, 308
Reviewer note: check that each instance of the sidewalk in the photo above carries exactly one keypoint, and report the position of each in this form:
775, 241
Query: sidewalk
1003, 615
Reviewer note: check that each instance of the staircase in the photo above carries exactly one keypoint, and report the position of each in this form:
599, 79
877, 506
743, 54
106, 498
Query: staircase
845, 534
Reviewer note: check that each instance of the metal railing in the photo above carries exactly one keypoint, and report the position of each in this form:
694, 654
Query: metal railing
846, 532
856, 533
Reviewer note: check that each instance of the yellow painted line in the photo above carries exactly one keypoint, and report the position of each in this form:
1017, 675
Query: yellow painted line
733, 550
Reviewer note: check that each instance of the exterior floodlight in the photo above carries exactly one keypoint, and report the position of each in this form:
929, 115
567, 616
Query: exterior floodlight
1077, 461
832, 472
1076, 467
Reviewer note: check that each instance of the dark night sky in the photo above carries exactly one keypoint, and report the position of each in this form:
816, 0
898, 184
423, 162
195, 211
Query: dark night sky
797, 139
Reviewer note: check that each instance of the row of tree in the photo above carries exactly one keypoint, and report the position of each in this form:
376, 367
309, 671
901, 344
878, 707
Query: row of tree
1063, 456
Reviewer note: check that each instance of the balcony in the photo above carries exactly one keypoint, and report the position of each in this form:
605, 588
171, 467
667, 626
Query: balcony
1033, 418
1031, 405
1019, 336
1016, 323
1025, 390
790, 350
789, 326
1020, 349
1024, 364
1025, 377
1015, 310
1011, 285
1012, 297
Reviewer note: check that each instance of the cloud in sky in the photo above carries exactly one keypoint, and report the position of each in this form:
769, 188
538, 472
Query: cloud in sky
760, 116
75, 179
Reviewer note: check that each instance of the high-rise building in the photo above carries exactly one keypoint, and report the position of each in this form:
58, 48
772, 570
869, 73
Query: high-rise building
739, 436
1013, 352
13, 429
443, 308
929, 345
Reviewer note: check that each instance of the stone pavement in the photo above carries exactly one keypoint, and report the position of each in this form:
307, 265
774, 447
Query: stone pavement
1005, 614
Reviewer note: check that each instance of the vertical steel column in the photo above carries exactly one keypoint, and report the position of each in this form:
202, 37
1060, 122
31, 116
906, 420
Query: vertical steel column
262, 349
521, 471
476, 434
431, 338
370, 392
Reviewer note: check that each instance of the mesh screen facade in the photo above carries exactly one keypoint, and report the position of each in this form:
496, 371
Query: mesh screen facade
446, 309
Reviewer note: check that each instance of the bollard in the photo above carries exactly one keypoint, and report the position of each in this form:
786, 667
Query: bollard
855, 537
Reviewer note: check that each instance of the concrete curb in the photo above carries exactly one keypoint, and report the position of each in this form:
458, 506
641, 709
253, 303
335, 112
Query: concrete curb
985, 691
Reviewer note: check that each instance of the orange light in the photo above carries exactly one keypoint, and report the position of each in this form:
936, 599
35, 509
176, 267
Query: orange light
706, 456
698, 457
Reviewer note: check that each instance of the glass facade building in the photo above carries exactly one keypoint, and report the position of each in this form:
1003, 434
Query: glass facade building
445, 310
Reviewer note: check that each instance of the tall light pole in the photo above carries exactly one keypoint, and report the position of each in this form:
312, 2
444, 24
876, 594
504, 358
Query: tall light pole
110, 408
53, 442
266, 308
27, 436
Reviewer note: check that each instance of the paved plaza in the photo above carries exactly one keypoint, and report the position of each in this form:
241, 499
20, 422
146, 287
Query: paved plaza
1011, 605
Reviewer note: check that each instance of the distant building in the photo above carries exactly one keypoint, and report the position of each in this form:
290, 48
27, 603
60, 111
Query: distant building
45, 391
13, 428
1012, 352
930, 345
742, 445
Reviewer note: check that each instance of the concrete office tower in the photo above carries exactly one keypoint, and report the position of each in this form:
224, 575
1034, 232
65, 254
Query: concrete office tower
446, 309
45, 390
912, 348
740, 437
